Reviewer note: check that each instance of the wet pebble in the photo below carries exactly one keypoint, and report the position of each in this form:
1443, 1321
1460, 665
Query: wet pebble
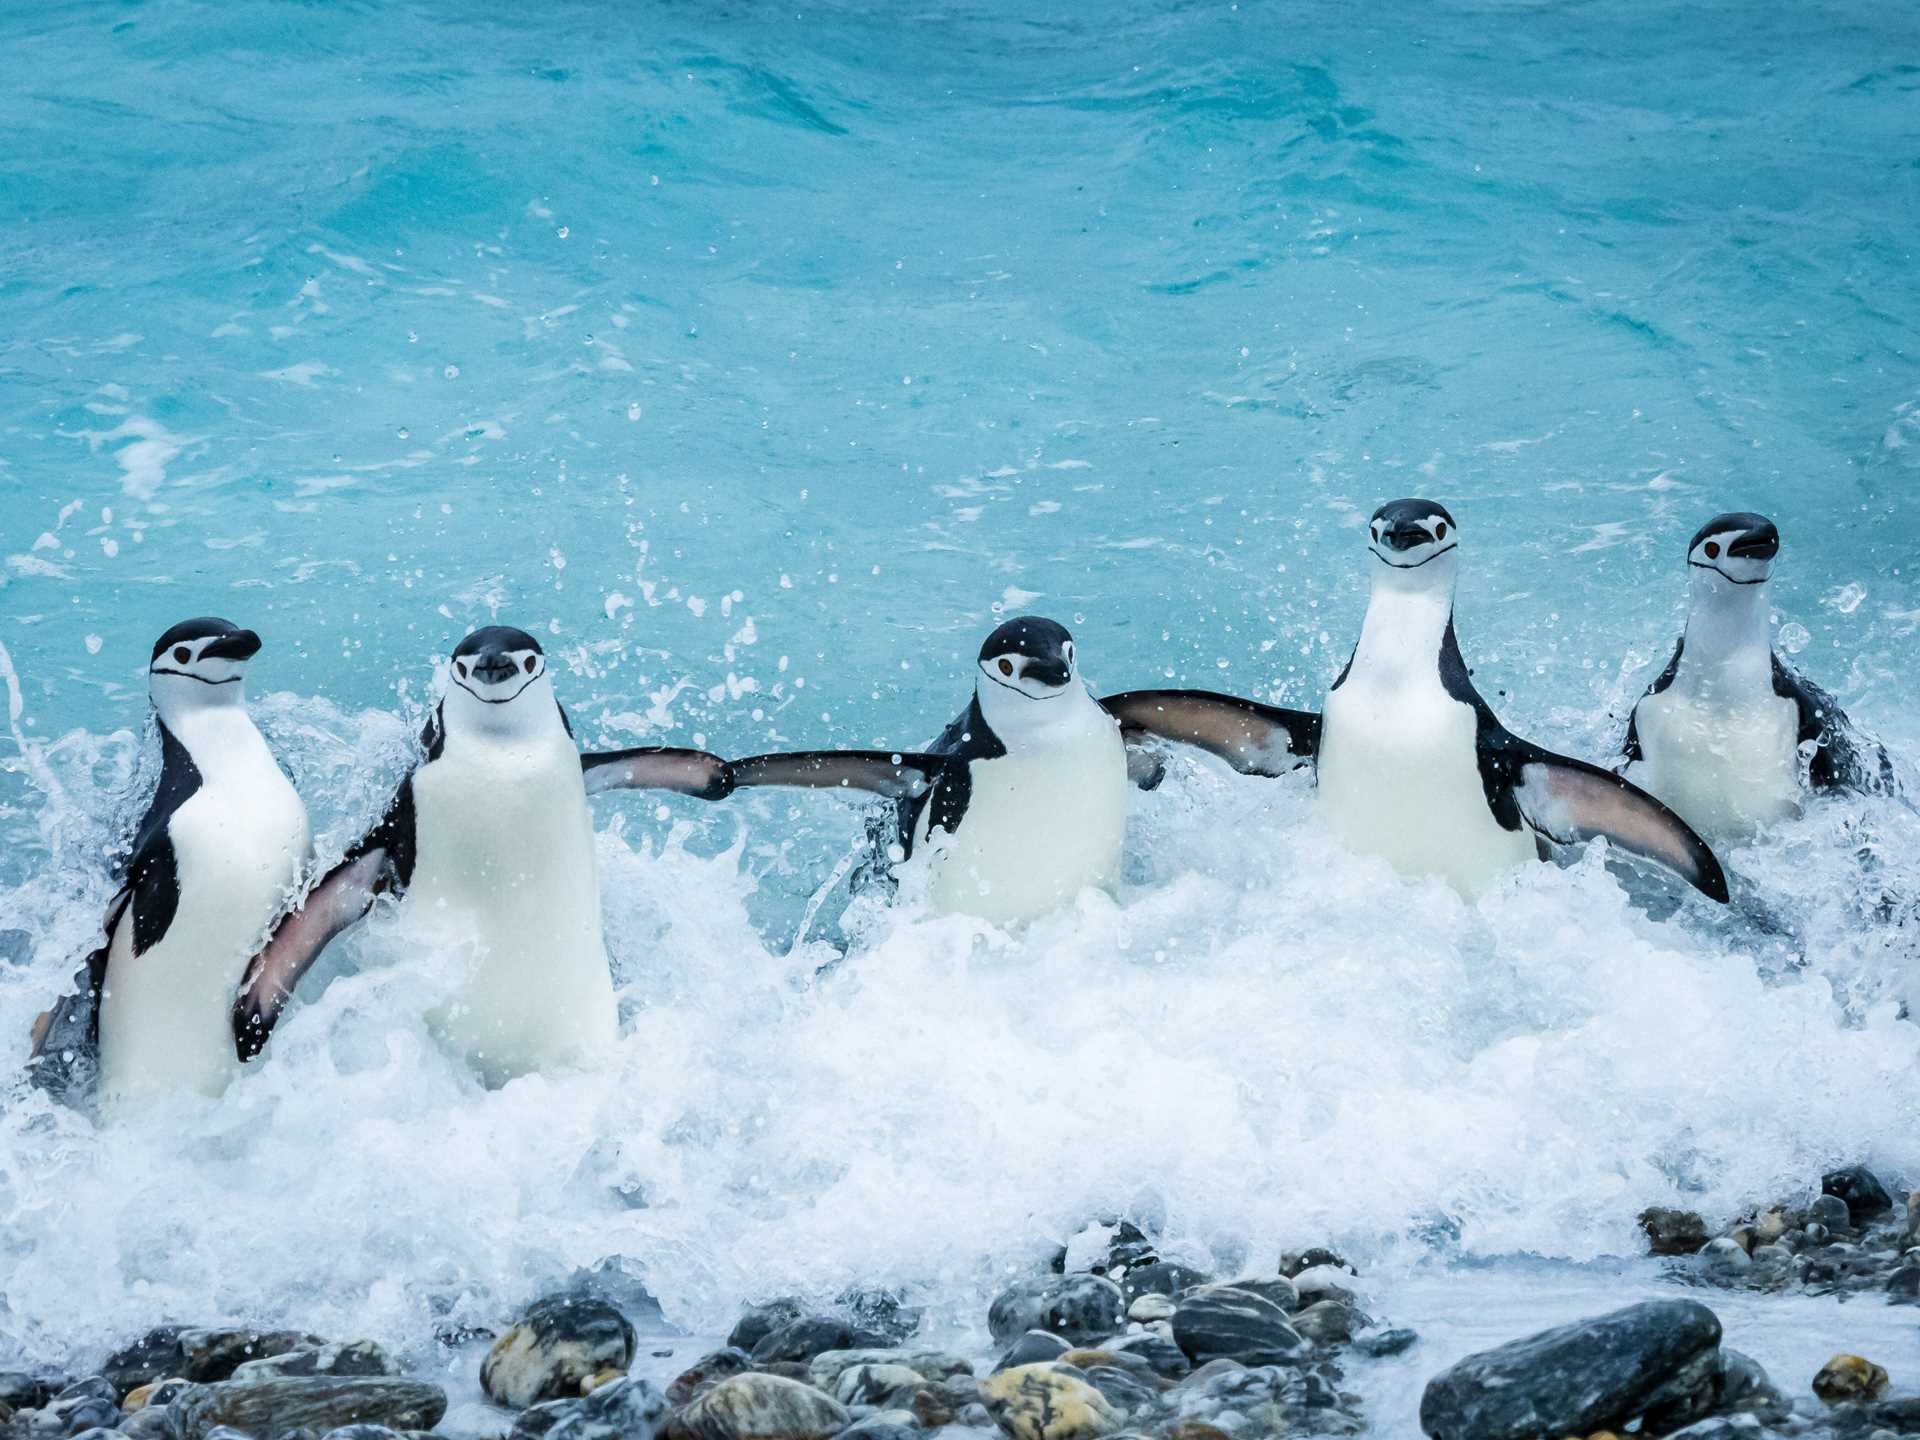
559, 1341
1847, 1378
759, 1407
1049, 1402
1078, 1308
1220, 1322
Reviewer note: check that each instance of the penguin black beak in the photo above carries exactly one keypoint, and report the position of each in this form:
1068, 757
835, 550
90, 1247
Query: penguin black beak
1760, 543
491, 669
1052, 671
1405, 536
240, 645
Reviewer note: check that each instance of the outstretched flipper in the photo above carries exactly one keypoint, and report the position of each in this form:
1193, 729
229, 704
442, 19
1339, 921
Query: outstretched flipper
381, 862
1566, 801
658, 767
894, 774
1254, 739
342, 897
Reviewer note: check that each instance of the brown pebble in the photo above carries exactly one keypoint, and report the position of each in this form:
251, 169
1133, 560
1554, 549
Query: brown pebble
1849, 1377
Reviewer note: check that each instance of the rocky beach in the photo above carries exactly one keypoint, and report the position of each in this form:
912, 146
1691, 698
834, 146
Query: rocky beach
1111, 1341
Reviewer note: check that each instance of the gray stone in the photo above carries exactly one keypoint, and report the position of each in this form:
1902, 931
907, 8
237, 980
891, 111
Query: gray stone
1327, 1322
358, 1357
811, 1335
1830, 1211
559, 1341
874, 1384
1123, 1389
362, 1432
1036, 1347
759, 1407
1296, 1262
212, 1354
1860, 1190
708, 1370
148, 1424
1725, 1260
1323, 1282
1276, 1288
83, 1412
21, 1391
1574, 1379
1381, 1343
1165, 1358
1151, 1306
827, 1367
886, 1425
1160, 1277
761, 1321
1079, 1308
266, 1407
625, 1409
1220, 1322
1673, 1232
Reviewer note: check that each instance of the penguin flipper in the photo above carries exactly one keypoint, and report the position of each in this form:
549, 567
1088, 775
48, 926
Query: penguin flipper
1566, 800
1842, 756
895, 774
1254, 739
345, 894
657, 767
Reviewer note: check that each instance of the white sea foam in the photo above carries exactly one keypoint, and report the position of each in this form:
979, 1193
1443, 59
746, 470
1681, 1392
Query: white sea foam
1260, 1041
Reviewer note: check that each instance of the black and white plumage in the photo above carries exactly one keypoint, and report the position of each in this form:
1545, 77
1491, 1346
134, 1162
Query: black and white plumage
1410, 761
220, 847
1729, 734
1018, 805
488, 845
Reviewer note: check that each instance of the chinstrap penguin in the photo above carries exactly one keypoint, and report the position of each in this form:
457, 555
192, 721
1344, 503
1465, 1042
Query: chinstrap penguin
1410, 762
1018, 806
1729, 735
218, 853
488, 845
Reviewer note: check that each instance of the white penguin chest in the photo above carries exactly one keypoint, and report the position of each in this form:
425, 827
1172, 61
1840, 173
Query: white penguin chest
1043, 822
504, 869
238, 843
1725, 766
1399, 777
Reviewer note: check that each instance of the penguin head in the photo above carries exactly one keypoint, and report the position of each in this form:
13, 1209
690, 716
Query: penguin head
497, 682
1030, 657
1736, 549
199, 663
1415, 540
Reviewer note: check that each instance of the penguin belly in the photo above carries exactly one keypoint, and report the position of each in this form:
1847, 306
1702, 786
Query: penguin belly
1399, 777
504, 869
1727, 770
1040, 826
166, 1017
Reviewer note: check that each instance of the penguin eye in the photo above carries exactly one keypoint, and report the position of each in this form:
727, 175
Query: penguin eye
1713, 550
529, 664
1006, 666
461, 666
1440, 531
182, 654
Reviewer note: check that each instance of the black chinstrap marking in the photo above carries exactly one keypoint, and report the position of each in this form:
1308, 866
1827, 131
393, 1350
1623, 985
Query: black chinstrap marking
507, 700
1731, 580
189, 675
1416, 564
1007, 685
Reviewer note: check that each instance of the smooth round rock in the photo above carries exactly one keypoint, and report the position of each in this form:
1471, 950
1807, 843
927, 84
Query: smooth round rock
759, 1407
1830, 1211
1049, 1402
1724, 1259
1848, 1378
1078, 1308
1859, 1189
1220, 1322
559, 1341
760, 1321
